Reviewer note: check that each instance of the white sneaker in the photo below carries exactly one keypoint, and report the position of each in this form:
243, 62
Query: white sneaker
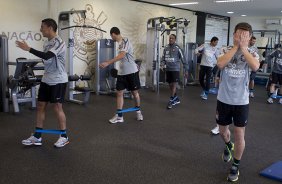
280, 101
215, 130
32, 141
116, 119
270, 100
61, 142
252, 95
139, 116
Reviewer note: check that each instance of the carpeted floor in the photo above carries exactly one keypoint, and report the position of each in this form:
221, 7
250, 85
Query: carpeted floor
169, 147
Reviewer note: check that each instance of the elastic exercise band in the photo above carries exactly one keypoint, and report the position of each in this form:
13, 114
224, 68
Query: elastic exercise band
213, 91
51, 131
275, 96
129, 110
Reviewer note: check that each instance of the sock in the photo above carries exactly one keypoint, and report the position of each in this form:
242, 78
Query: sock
251, 90
236, 162
229, 145
119, 114
64, 135
37, 134
270, 95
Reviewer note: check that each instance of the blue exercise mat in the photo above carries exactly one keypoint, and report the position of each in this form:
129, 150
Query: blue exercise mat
273, 172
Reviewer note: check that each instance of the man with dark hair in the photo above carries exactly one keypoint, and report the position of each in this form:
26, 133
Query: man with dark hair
128, 76
54, 81
253, 73
233, 94
209, 55
172, 55
50, 23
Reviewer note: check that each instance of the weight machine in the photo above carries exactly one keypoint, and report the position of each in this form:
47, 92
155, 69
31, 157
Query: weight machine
24, 81
156, 28
104, 81
4, 73
266, 41
66, 33
192, 61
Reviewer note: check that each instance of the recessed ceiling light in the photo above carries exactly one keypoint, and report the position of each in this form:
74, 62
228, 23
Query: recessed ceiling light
231, 1
179, 4
243, 15
230, 12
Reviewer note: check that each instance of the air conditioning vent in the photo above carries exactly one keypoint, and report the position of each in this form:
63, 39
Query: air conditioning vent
273, 21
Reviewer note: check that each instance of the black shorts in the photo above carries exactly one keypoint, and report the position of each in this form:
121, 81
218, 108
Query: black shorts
52, 93
130, 82
238, 114
172, 76
276, 78
253, 75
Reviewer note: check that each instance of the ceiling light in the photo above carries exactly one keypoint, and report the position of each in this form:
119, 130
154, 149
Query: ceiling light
243, 15
176, 4
230, 12
231, 1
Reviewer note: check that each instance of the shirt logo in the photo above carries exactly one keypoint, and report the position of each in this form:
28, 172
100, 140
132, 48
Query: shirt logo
233, 71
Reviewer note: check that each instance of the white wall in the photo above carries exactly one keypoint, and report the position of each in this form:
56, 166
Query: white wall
21, 20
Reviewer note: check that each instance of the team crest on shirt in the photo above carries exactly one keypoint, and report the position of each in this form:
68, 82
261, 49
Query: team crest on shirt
242, 58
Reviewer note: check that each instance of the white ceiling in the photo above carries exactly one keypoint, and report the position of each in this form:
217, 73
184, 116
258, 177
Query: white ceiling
265, 8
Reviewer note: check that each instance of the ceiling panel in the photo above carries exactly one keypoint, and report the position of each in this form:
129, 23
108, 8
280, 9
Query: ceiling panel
251, 8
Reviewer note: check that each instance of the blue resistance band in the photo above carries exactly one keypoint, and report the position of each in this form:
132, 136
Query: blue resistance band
129, 110
51, 131
213, 91
276, 96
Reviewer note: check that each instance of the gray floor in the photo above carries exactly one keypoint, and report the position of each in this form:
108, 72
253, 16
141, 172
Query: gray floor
168, 147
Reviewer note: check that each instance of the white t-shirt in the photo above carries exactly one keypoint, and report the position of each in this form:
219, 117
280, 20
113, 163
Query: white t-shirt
54, 68
209, 55
127, 64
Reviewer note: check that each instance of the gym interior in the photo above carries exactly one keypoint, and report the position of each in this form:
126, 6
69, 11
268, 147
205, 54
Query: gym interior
169, 146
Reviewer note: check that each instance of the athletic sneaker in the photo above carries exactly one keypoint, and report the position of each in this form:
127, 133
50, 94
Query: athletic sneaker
139, 116
61, 142
234, 174
215, 130
116, 119
227, 156
176, 101
205, 97
270, 100
32, 141
252, 95
202, 94
169, 105
280, 101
